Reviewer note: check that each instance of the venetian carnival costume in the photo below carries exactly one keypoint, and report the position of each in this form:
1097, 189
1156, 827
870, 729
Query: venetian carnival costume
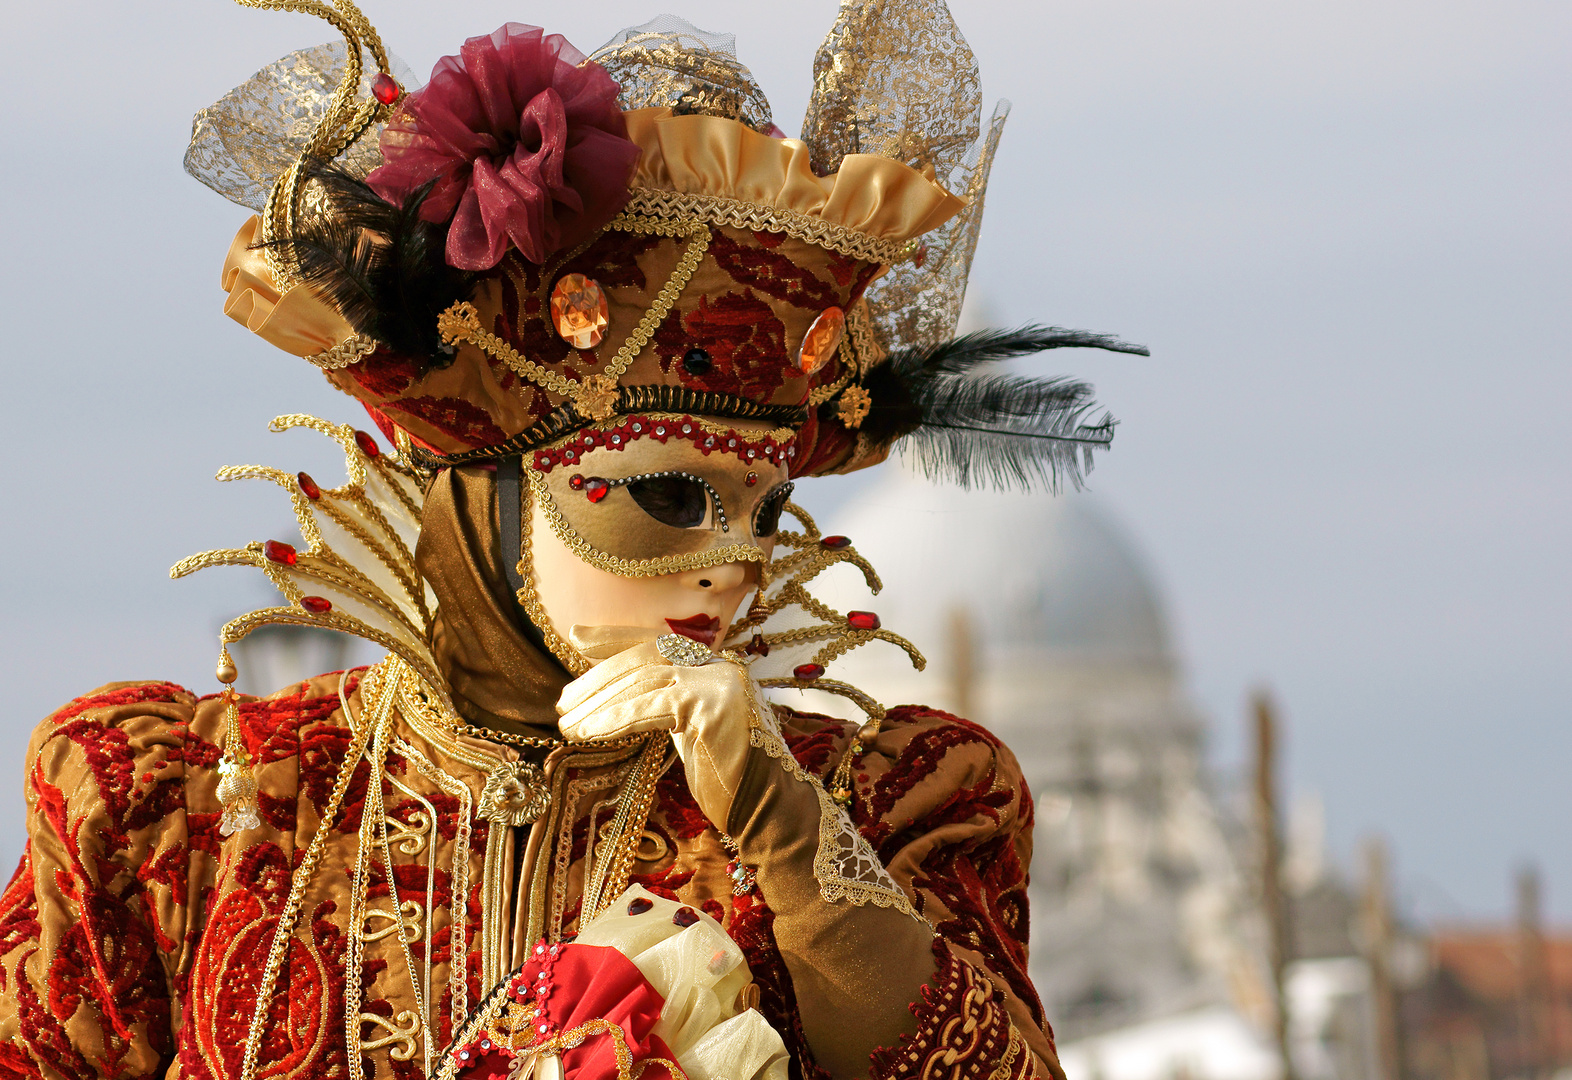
599, 304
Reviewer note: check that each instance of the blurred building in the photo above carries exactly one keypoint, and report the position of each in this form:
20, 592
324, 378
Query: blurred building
1494, 1002
1041, 621
273, 657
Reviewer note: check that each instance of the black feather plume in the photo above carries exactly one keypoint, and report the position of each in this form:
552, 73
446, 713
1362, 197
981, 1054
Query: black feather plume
379, 264
970, 428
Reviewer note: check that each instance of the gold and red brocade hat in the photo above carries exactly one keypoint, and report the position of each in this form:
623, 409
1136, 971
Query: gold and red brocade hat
545, 243
673, 307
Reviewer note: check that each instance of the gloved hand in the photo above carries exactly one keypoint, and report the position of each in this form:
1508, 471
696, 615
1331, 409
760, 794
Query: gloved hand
709, 709
844, 959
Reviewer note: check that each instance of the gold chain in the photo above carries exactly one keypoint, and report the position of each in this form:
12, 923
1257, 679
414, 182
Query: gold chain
432, 714
284, 933
458, 727
633, 812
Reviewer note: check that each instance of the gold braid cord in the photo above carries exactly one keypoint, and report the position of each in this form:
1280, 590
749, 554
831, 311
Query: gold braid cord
528, 598
357, 571
788, 633
595, 396
361, 738
346, 120
756, 217
349, 351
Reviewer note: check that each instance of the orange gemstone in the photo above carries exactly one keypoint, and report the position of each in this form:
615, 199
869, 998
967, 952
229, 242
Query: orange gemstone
821, 341
578, 308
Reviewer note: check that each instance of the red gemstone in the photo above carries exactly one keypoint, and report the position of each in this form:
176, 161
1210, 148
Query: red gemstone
836, 542
685, 916
920, 256
595, 489
807, 672
751, 479
385, 88
276, 551
317, 605
862, 620
758, 646
576, 481
308, 486
367, 444
639, 905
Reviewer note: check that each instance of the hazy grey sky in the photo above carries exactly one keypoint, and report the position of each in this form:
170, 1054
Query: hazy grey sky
1342, 227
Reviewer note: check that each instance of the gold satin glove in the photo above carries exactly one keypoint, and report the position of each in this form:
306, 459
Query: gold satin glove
709, 709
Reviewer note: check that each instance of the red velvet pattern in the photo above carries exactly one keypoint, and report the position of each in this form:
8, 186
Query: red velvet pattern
147, 915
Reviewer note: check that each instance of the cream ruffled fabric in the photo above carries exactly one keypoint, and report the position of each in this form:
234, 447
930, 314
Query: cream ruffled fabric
700, 972
299, 321
710, 155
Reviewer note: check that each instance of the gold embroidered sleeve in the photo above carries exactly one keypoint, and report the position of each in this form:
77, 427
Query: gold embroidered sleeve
93, 927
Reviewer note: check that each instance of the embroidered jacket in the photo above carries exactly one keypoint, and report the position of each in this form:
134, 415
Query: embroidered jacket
133, 938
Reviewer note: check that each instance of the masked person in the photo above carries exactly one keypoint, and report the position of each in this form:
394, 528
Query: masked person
607, 316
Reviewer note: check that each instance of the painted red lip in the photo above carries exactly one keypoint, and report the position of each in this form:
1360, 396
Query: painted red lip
701, 628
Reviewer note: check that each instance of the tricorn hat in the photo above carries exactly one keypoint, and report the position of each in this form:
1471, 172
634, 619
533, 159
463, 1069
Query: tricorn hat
537, 242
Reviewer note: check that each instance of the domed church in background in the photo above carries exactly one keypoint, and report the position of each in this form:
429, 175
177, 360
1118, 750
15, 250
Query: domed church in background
1040, 621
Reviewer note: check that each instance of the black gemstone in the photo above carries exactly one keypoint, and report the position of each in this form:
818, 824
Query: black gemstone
697, 362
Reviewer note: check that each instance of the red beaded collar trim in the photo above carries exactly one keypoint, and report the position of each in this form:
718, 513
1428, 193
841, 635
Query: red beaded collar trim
706, 438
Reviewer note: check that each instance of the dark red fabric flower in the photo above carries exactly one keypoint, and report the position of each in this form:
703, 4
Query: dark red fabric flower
526, 147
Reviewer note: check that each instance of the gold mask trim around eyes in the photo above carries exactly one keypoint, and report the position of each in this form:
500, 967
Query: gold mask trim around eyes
633, 568
529, 598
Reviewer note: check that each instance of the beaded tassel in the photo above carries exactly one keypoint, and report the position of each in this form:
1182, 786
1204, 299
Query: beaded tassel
237, 785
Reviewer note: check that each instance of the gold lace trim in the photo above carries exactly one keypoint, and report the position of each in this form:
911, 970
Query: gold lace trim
845, 867
756, 217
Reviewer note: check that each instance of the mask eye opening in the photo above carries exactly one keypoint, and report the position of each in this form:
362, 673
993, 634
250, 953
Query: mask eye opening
679, 499
767, 518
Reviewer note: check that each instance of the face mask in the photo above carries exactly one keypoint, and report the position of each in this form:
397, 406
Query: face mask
663, 494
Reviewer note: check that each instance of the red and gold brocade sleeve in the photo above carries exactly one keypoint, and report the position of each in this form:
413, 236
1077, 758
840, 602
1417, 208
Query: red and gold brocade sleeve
943, 803
94, 934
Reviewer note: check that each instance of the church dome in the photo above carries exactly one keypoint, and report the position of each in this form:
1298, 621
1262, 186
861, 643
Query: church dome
1036, 573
